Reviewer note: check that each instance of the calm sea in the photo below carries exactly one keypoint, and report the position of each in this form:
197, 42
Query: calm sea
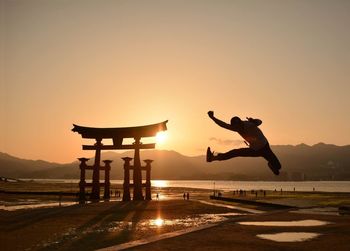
320, 186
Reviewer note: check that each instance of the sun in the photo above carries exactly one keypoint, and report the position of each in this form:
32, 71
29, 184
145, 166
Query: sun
161, 137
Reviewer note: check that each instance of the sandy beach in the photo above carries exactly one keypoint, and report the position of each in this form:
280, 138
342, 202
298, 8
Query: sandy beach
164, 222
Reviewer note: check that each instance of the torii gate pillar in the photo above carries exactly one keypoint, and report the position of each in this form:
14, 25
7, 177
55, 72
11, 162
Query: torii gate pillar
148, 179
137, 174
126, 185
95, 192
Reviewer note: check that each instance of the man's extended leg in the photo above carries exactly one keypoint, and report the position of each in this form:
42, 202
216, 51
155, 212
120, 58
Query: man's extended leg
241, 152
273, 161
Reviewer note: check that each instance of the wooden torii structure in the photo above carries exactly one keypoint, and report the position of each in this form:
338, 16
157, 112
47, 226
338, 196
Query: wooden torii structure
118, 135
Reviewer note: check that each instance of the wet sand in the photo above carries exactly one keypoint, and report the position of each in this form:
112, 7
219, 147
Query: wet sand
232, 236
109, 224
97, 225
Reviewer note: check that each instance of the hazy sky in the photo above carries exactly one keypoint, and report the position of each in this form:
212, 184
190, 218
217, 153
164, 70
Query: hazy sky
125, 63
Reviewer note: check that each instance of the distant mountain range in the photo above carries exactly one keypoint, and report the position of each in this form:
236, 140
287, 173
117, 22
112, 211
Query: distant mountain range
300, 162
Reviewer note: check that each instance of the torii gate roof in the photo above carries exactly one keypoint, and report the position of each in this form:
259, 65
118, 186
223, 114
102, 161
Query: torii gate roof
120, 132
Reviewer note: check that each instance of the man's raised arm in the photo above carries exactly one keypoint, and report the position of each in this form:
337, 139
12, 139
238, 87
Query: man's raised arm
219, 122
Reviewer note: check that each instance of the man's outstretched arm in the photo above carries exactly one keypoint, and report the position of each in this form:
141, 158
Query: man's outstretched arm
219, 122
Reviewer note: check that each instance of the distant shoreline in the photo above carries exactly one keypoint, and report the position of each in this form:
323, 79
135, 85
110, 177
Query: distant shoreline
299, 186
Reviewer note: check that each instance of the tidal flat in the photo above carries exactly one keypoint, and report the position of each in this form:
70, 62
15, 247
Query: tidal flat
59, 222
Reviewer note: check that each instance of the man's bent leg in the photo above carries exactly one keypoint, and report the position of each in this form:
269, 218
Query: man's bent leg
272, 159
241, 152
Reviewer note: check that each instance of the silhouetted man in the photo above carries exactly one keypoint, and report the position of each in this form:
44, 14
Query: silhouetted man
258, 144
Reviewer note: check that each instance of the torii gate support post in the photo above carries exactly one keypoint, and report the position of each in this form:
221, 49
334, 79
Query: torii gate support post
95, 192
148, 179
137, 175
107, 168
82, 182
126, 185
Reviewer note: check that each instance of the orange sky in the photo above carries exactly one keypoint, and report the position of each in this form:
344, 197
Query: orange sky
126, 63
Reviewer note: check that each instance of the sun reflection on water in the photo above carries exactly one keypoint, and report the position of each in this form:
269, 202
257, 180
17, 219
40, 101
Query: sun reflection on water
159, 183
157, 222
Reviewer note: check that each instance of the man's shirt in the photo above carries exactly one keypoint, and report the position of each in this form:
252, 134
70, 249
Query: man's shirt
253, 135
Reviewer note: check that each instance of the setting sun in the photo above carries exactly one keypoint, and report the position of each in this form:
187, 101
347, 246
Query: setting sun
161, 137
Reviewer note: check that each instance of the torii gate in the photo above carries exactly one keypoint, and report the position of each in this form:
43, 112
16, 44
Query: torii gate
117, 135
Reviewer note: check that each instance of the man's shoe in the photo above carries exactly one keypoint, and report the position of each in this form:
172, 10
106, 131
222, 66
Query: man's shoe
275, 170
209, 155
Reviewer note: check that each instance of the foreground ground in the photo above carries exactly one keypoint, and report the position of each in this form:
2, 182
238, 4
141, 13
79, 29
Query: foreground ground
109, 224
232, 236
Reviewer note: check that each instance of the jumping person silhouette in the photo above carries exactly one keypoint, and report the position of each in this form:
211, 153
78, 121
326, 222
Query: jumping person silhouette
258, 144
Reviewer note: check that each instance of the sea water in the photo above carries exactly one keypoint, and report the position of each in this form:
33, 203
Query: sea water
226, 185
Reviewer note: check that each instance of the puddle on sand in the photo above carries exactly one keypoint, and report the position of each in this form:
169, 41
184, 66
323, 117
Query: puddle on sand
34, 203
244, 209
289, 236
318, 210
197, 221
300, 223
193, 221
189, 221
37, 205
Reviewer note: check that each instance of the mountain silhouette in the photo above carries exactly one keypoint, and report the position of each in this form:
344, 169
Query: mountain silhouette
300, 162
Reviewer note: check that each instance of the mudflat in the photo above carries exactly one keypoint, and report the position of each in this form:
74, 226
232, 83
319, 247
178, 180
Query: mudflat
231, 235
100, 225
97, 225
